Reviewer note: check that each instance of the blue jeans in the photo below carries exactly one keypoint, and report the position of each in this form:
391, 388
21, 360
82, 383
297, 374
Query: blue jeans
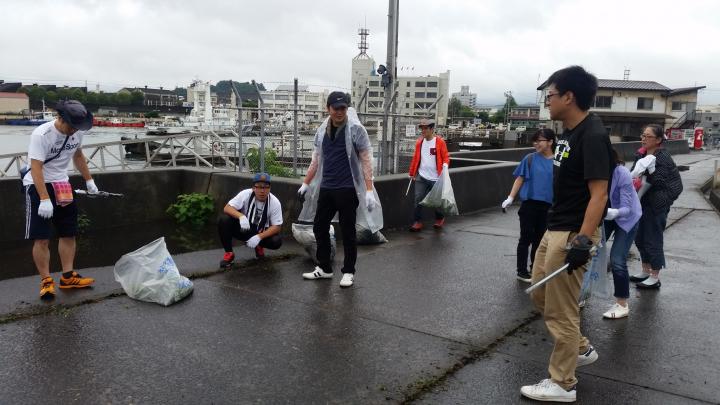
649, 239
422, 188
618, 256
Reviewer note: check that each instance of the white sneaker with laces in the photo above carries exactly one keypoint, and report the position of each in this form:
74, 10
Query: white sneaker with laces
347, 280
588, 357
317, 274
548, 390
617, 311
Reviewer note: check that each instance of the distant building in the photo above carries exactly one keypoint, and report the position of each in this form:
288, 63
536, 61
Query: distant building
626, 106
9, 87
417, 95
312, 103
14, 103
466, 98
155, 97
525, 115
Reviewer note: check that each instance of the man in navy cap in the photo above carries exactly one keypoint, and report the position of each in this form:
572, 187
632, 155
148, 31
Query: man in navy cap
253, 216
342, 171
49, 196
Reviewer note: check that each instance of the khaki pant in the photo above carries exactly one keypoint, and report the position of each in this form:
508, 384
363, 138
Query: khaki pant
557, 300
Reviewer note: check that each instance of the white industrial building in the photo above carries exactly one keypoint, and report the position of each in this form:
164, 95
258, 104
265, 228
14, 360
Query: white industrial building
311, 105
422, 96
465, 97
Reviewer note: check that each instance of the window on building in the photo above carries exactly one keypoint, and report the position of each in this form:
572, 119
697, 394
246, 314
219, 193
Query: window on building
678, 106
432, 84
373, 94
353, 83
419, 94
430, 95
407, 84
644, 103
708, 118
407, 105
282, 97
407, 94
281, 106
419, 84
312, 98
603, 102
374, 83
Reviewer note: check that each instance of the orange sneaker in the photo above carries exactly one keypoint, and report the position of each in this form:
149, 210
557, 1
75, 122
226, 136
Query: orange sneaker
416, 227
227, 260
439, 223
75, 281
47, 288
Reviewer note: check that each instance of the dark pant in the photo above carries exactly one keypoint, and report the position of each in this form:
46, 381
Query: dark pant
229, 228
649, 239
533, 223
422, 188
65, 219
618, 256
345, 202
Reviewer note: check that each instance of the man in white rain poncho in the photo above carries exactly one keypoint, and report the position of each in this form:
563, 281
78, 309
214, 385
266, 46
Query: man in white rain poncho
339, 180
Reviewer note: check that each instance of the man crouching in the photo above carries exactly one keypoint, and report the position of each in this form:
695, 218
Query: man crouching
254, 216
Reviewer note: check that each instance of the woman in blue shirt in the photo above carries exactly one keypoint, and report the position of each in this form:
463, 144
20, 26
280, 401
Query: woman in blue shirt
622, 220
533, 181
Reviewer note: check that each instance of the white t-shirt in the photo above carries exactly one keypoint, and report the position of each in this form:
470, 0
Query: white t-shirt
240, 203
428, 160
45, 142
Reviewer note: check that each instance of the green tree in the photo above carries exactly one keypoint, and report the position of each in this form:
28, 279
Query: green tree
467, 112
137, 97
272, 166
92, 98
77, 94
102, 99
123, 97
51, 97
454, 108
500, 115
250, 103
64, 93
485, 117
34, 93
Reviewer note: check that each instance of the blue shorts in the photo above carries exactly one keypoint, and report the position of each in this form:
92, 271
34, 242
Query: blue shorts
65, 219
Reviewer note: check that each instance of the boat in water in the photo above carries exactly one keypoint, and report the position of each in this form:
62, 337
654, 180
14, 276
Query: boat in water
37, 119
117, 123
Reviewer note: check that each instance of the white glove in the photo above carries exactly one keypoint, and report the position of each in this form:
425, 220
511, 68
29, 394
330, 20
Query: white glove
244, 223
612, 213
370, 200
45, 209
445, 165
303, 189
507, 202
91, 187
253, 242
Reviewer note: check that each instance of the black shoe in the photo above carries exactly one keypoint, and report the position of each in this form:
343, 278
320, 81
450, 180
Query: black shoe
648, 284
524, 276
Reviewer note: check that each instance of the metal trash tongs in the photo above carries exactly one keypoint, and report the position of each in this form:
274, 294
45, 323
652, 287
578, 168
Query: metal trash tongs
103, 194
593, 252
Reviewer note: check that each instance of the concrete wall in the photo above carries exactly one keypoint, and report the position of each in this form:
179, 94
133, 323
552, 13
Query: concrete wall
478, 179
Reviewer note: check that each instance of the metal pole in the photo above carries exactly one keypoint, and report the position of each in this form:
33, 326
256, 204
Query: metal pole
261, 104
393, 9
295, 128
238, 102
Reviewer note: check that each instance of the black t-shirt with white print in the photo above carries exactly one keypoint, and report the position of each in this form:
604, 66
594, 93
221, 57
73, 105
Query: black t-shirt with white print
582, 153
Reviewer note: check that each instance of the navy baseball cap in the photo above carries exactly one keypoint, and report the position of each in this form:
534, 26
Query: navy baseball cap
338, 99
261, 178
75, 114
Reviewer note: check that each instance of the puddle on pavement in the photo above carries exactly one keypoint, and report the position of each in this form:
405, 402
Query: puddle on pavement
104, 248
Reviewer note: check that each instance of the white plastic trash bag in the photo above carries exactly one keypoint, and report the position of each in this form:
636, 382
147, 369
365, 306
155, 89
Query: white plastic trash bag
303, 234
596, 281
441, 196
150, 274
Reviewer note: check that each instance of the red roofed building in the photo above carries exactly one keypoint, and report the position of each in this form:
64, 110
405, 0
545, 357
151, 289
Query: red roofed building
14, 103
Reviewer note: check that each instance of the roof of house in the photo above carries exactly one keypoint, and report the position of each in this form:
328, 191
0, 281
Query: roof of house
682, 90
624, 85
147, 90
13, 95
528, 105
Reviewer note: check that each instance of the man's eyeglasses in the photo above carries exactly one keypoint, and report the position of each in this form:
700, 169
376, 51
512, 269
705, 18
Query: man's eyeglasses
540, 140
262, 187
549, 95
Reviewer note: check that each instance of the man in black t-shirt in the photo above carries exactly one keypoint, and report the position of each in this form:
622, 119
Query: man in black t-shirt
583, 169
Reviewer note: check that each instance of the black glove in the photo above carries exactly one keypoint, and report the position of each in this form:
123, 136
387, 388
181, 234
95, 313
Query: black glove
579, 252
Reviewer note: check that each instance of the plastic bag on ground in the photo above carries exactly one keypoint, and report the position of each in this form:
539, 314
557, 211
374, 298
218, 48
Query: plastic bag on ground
596, 281
150, 274
441, 196
367, 237
303, 234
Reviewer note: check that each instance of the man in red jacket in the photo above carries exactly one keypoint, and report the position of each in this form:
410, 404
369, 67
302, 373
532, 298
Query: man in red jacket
430, 159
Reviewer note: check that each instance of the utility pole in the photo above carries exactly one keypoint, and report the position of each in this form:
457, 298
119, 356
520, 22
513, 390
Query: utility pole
508, 96
389, 73
261, 104
295, 129
238, 102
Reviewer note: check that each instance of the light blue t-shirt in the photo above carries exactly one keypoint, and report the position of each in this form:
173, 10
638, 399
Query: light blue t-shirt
538, 179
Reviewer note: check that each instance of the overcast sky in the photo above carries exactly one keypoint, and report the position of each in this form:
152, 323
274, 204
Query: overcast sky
491, 45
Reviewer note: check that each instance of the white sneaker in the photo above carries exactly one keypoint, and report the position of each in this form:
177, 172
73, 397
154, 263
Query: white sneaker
317, 274
617, 311
547, 390
347, 280
581, 304
588, 357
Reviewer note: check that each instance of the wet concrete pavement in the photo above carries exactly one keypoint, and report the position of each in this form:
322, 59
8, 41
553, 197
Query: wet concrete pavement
432, 318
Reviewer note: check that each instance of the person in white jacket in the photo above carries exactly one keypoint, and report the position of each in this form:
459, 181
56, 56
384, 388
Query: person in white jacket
339, 180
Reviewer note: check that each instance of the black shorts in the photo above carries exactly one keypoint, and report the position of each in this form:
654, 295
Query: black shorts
65, 219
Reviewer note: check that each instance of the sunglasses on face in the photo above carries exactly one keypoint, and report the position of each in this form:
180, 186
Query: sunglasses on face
549, 96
